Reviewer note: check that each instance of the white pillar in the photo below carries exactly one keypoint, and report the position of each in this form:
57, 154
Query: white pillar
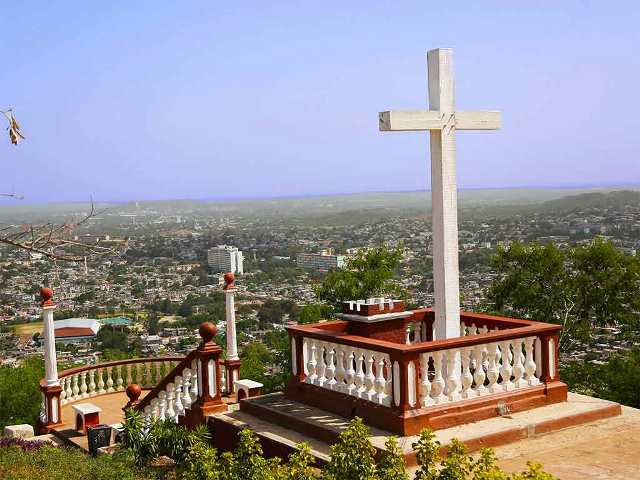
232, 344
444, 196
49, 343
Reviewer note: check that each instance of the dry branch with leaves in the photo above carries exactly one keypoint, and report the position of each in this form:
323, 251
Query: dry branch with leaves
56, 241
53, 241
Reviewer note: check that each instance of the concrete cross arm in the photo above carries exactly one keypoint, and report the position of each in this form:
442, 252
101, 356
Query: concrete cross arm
421, 120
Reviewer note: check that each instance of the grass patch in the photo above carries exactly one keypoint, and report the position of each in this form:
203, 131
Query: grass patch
52, 463
28, 328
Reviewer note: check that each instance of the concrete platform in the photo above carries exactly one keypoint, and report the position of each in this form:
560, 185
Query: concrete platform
281, 424
111, 405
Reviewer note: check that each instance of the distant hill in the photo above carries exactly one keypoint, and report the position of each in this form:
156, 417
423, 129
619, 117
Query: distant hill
616, 200
345, 208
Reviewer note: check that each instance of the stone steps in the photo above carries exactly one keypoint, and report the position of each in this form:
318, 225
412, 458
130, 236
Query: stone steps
281, 424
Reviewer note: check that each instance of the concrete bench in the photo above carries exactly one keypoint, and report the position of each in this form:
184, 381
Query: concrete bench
86, 415
247, 388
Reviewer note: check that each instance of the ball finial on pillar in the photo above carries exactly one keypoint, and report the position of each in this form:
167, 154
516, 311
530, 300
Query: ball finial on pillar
46, 294
133, 392
229, 278
207, 331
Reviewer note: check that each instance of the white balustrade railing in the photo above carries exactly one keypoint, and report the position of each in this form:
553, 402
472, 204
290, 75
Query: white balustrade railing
360, 372
176, 398
469, 372
434, 378
90, 381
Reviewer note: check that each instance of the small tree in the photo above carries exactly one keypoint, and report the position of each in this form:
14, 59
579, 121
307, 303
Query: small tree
353, 457
392, 465
371, 272
579, 288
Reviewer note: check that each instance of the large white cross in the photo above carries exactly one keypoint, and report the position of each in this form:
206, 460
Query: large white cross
442, 121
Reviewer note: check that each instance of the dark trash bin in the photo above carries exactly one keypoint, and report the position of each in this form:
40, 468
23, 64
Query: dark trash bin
98, 436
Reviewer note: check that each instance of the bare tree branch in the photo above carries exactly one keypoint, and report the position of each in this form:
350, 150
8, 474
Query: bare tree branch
56, 241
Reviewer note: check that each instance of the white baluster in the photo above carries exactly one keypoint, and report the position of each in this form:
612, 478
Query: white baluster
492, 369
351, 373
119, 379
340, 371
129, 377
389, 380
170, 396
63, 393
92, 383
194, 381
518, 365
437, 386
321, 365
453, 375
331, 367
312, 377
162, 406
381, 383
109, 380
369, 378
179, 408
529, 364
101, 389
83, 385
425, 383
186, 396
75, 389
68, 390
505, 369
478, 374
467, 378
463, 329
360, 388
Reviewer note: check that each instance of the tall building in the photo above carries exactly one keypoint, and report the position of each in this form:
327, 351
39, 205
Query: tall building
323, 261
225, 258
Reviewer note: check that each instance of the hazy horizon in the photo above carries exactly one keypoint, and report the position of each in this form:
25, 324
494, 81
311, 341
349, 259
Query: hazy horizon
196, 101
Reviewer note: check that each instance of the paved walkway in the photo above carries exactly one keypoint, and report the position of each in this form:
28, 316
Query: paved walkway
111, 405
605, 449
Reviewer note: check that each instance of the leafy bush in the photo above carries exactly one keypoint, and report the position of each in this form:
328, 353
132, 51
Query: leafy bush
459, 465
20, 395
146, 441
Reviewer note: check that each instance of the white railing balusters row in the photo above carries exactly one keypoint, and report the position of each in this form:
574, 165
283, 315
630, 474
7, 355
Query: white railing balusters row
359, 372
462, 373
177, 397
101, 379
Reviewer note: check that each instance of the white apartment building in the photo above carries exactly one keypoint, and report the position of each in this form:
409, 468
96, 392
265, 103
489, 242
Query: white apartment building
225, 258
323, 261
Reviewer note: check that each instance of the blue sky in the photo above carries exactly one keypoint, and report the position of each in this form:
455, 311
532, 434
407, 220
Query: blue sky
159, 99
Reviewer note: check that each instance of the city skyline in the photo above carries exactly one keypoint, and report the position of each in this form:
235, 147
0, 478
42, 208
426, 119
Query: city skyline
212, 102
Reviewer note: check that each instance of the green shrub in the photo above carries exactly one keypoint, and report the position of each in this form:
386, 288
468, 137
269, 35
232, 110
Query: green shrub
459, 465
146, 441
